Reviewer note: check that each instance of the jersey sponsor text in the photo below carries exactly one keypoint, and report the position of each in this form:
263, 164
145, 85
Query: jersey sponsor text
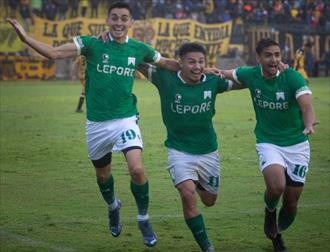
271, 105
195, 109
109, 69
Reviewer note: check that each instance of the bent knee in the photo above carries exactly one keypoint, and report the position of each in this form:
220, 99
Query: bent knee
136, 172
276, 189
209, 199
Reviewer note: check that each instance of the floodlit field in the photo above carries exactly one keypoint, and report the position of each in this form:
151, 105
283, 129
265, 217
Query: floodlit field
50, 200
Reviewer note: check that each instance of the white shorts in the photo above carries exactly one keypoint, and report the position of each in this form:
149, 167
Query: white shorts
294, 158
112, 136
205, 169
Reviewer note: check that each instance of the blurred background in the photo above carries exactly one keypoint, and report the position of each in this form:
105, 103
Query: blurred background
229, 29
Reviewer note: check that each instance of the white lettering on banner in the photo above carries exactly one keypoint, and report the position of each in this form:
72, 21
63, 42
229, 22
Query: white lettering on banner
195, 109
109, 69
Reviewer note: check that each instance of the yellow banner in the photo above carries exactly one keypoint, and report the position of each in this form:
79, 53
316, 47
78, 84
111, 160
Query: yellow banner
170, 34
164, 35
9, 41
26, 68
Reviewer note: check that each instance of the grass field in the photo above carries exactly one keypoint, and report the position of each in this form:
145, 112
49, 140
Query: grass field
50, 201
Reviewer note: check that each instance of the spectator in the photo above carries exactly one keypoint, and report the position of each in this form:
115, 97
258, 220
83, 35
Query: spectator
50, 10
12, 6
36, 7
325, 60
95, 5
74, 4
62, 6
84, 5
25, 12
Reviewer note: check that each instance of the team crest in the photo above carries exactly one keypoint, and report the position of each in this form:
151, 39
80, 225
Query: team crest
131, 61
207, 94
178, 98
105, 58
257, 93
280, 96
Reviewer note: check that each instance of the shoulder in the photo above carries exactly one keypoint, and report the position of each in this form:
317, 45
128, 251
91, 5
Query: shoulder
136, 43
292, 73
247, 71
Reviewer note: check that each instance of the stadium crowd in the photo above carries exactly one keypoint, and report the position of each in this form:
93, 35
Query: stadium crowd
313, 13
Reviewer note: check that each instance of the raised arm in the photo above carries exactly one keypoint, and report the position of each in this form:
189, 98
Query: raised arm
64, 51
306, 107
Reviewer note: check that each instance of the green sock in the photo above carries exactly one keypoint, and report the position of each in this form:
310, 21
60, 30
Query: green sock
107, 190
197, 227
270, 203
285, 220
141, 195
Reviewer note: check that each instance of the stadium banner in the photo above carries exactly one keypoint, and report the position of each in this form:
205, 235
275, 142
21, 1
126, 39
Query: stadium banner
9, 41
26, 68
170, 34
289, 39
162, 34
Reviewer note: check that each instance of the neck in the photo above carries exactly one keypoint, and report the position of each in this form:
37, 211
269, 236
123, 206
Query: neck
188, 81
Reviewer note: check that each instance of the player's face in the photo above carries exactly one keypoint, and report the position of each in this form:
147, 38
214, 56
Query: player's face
270, 59
119, 21
192, 67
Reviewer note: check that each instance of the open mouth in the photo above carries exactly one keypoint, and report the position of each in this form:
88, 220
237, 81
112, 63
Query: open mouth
118, 30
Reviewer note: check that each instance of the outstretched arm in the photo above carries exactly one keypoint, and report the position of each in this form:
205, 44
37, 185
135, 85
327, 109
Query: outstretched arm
306, 107
146, 69
168, 64
64, 51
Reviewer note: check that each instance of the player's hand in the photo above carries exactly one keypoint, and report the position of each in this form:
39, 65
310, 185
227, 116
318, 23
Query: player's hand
103, 36
214, 71
311, 129
282, 66
18, 28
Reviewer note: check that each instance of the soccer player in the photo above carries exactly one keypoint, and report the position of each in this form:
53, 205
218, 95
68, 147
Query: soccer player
188, 105
285, 117
111, 107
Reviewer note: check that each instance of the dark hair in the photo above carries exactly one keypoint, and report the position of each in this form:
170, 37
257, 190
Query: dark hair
190, 47
264, 43
120, 5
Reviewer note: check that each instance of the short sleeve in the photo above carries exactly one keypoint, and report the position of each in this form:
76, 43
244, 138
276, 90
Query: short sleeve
151, 55
224, 85
242, 74
298, 83
83, 43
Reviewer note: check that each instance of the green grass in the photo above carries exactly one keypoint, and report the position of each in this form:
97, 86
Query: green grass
50, 201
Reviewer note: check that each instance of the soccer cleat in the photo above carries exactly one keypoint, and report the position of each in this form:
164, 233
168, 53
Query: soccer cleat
149, 236
209, 249
114, 221
270, 227
278, 243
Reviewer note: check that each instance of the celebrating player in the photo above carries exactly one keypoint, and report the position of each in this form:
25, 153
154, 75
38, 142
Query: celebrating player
285, 116
188, 105
111, 107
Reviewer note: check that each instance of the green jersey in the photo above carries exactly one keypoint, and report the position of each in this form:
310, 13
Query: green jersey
187, 110
278, 116
110, 72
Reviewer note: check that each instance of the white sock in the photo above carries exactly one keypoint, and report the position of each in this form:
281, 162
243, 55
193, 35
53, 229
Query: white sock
113, 205
143, 217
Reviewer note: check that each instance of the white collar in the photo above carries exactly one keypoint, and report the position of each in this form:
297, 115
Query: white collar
179, 76
112, 39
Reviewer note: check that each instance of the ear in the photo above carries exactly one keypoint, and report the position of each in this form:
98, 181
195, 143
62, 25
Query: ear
258, 58
180, 63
